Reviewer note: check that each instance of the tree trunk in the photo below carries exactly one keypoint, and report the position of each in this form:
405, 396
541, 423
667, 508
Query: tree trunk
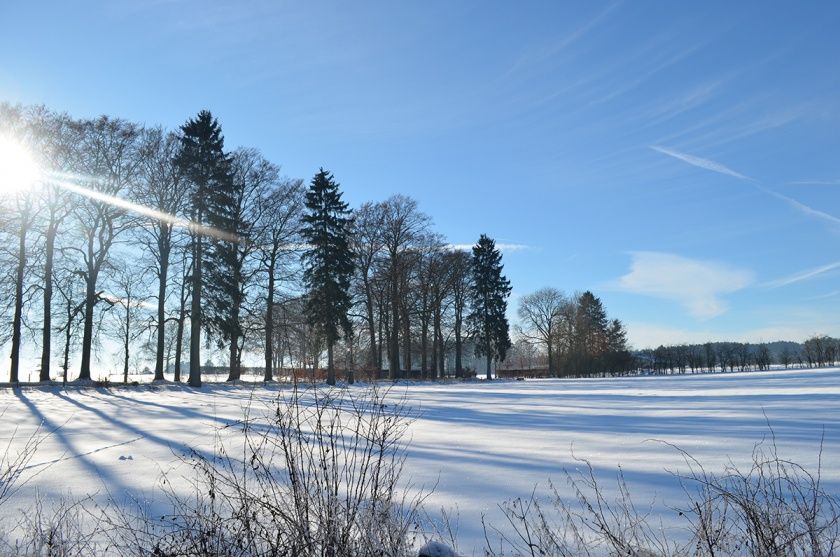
46, 332
126, 339
233, 372
179, 333
406, 334
424, 345
350, 368
87, 332
379, 345
269, 324
330, 365
441, 354
393, 337
437, 345
161, 312
433, 368
459, 347
374, 362
18, 318
550, 360
488, 341
67, 338
195, 316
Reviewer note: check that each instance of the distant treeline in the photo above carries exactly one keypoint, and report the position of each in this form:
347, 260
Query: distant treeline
817, 351
579, 358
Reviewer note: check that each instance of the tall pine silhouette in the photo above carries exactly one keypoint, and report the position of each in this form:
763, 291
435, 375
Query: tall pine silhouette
489, 293
328, 262
205, 164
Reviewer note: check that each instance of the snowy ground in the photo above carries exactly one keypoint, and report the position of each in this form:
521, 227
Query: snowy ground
477, 443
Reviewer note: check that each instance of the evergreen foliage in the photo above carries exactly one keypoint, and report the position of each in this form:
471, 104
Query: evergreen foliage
328, 262
489, 292
205, 164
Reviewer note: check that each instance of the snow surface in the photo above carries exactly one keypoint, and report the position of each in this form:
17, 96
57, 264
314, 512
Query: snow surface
476, 444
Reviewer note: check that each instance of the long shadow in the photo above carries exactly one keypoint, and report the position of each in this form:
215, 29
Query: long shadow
185, 411
258, 406
640, 403
627, 421
109, 480
706, 381
147, 435
664, 395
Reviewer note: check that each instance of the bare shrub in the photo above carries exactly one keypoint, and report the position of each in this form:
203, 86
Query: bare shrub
62, 528
318, 475
56, 531
773, 508
14, 462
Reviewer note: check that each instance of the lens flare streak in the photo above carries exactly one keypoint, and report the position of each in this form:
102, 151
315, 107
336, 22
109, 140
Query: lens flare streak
60, 180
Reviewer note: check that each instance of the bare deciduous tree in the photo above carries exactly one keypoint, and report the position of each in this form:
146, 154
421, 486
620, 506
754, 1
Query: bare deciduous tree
277, 238
403, 226
540, 313
161, 187
109, 165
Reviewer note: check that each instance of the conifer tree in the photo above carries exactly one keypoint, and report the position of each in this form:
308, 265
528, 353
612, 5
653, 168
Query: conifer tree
224, 274
205, 164
328, 262
489, 292
591, 327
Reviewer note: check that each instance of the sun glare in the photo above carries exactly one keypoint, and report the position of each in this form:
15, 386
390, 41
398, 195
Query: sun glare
18, 170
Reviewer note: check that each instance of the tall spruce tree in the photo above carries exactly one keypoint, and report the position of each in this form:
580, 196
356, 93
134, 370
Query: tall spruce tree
592, 332
204, 163
328, 262
489, 292
223, 273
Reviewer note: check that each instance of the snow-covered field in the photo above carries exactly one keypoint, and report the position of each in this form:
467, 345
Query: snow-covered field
475, 443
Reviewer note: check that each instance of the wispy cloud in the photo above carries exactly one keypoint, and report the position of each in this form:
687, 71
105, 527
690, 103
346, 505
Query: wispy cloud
663, 109
695, 284
551, 50
802, 275
706, 164
815, 183
630, 85
739, 121
826, 296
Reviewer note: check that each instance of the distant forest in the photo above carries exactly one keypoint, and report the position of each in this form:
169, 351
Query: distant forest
817, 351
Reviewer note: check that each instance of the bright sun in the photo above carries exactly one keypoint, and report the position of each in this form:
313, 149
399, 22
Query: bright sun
18, 170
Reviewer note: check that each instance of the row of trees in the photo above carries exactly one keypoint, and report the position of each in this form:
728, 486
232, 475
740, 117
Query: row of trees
169, 243
817, 351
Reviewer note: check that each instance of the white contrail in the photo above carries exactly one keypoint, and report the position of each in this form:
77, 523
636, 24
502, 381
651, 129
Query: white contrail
701, 162
802, 275
708, 164
799, 206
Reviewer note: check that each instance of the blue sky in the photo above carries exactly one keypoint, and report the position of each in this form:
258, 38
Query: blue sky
680, 159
